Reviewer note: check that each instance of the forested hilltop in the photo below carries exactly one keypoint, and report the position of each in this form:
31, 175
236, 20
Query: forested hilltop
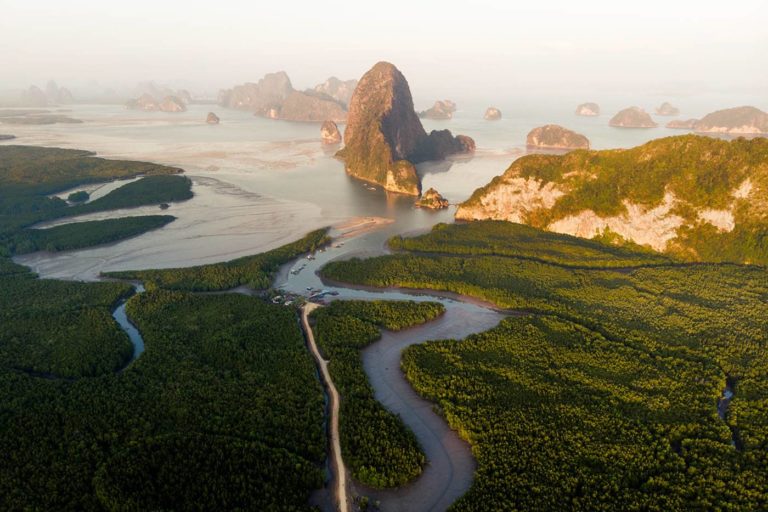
608, 394
693, 197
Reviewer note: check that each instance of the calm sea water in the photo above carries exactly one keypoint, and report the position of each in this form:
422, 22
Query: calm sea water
259, 183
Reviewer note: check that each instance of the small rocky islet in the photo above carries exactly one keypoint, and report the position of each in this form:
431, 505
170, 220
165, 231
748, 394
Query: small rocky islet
329, 133
492, 114
442, 110
553, 136
588, 109
432, 199
632, 117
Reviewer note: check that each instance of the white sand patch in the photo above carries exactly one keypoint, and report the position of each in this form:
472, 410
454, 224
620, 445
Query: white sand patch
722, 219
512, 200
743, 190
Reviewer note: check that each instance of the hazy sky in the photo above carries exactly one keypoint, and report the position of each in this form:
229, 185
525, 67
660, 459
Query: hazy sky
438, 45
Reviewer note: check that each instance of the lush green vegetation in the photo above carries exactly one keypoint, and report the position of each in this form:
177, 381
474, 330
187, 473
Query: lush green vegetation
78, 197
222, 411
57, 328
702, 173
29, 175
605, 398
498, 238
146, 191
77, 235
254, 271
379, 450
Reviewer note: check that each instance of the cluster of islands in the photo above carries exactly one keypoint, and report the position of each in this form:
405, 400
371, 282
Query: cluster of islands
588, 335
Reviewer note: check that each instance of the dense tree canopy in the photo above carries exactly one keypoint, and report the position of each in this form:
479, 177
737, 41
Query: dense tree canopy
605, 396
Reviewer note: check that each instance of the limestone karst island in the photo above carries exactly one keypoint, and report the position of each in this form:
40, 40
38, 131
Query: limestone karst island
360, 257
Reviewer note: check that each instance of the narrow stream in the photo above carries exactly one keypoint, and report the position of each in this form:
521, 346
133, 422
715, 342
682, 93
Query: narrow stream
723, 403
133, 333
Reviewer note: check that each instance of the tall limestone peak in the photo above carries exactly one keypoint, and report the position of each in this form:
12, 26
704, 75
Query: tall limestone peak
384, 136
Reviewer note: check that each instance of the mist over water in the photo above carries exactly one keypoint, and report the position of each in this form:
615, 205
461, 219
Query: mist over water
486, 51
260, 182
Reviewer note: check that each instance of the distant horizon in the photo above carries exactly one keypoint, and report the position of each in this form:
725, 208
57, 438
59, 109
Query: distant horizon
559, 48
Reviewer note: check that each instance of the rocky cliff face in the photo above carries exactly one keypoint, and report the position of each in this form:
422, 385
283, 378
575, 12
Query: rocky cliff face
311, 107
588, 109
432, 199
632, 117
384, 137
212, 118
34, 96
667, 109
642, 195
149, 103
682, 124
339, 90
258, 97
274, 97
329, 133
172, 104
145, 102
553, 136
734, 121
441, 110
492, 114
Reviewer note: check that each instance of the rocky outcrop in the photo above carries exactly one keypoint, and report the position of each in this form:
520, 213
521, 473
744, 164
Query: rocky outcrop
172, 104
492, 114
259, 97
554, 136
632, 117
441, 110
650, 202
149, 103
734, 121
682, 124
667, 109
275, 98
34, 97
329, 133
384, 137
309, 107
212, 118
53, 95
58, 95
588, 109
339, 90
184, 95
432, 199
145, 102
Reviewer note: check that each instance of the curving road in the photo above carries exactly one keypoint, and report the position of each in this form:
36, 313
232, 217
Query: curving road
338, 470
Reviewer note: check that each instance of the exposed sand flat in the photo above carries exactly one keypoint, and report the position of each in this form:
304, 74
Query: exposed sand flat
359, 226
220, 223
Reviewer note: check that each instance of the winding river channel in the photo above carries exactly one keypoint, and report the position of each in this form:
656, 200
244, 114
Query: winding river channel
121, 317
450, 464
